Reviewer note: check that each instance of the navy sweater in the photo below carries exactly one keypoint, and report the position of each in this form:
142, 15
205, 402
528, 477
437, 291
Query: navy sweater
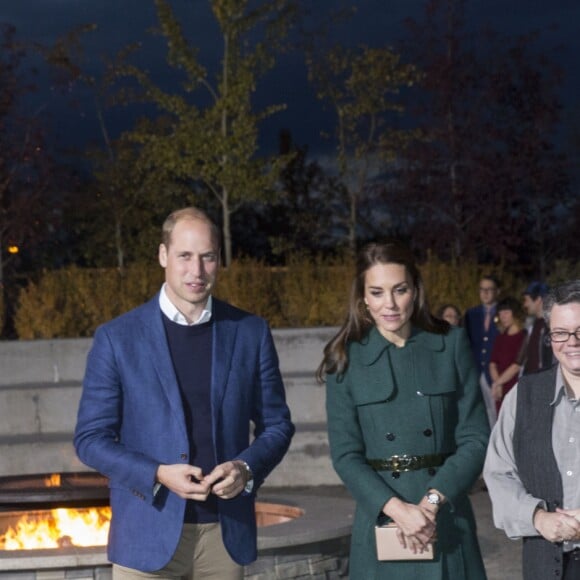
191, 352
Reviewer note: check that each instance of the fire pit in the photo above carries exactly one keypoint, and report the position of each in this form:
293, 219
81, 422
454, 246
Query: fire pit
53, 490
299, 531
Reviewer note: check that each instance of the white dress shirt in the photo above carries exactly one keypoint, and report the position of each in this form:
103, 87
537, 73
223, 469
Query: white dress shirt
170, 310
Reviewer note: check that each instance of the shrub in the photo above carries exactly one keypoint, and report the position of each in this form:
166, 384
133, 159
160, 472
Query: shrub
73, 301
458, 282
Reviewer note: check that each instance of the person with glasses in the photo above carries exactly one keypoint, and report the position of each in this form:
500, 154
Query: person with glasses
532, 466
482, 331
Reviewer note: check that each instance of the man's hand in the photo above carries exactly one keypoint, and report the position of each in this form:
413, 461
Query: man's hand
187, 481
228, 479
558, 526
574, 513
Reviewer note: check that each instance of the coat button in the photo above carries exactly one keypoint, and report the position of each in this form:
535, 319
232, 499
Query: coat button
390, 436
395, 475
431, 471
427, 432
183, 456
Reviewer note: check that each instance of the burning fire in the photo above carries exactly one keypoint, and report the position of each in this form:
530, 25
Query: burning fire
58, 528
53, 480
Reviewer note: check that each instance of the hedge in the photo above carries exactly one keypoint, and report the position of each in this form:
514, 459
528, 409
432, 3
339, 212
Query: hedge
72, 302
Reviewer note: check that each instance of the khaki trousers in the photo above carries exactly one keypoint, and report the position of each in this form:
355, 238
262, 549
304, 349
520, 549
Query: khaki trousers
200, 555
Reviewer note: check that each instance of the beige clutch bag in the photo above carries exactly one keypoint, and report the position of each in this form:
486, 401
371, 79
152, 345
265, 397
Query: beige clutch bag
389, 548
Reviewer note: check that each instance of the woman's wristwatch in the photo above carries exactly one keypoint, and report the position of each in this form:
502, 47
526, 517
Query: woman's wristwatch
433, 498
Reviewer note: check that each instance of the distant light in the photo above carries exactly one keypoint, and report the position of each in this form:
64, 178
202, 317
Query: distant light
13, 249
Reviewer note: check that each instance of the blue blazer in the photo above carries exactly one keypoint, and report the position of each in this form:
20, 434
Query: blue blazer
131, 419
481, 341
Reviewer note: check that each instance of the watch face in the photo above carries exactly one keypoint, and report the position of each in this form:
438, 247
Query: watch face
433, 498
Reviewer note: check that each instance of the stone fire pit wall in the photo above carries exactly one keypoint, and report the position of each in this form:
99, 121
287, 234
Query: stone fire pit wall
40, 385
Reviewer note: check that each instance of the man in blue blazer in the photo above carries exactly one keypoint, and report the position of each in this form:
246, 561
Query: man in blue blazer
479, 322
170, 392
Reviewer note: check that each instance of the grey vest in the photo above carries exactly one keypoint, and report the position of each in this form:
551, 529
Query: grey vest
537, 467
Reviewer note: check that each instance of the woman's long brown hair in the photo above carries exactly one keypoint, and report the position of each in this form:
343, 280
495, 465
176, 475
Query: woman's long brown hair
358, 321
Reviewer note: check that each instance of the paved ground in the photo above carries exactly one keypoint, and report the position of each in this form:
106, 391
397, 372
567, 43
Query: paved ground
502, 556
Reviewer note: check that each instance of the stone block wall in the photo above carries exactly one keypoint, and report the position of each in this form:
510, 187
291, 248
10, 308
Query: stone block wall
40, 386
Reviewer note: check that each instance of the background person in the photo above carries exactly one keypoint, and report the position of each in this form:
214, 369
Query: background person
538, 352
533, 460
504, 367
169, 392
402, 383
450, 313
482, 332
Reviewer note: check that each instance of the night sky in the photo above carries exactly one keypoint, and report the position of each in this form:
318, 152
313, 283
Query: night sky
377, 22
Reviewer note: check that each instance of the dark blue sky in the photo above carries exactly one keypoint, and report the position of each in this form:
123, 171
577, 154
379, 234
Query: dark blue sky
377, 22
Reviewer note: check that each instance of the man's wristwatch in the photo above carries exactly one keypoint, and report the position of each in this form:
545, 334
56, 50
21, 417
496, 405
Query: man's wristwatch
433, 498
249, 474
249, 477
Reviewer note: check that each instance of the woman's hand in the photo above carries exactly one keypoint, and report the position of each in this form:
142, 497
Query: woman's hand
416, 524
497, 391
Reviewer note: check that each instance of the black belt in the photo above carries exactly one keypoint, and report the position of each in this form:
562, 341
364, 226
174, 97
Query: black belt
408, 462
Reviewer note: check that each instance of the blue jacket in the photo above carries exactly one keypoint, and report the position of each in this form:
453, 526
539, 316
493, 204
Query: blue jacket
131, 419
481, 341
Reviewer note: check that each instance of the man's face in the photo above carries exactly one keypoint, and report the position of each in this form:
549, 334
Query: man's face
533, 307
191, 263
566, 317
487, 292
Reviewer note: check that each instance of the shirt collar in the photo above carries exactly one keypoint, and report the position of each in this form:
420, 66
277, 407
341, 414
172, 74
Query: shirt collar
170, 310
560, 390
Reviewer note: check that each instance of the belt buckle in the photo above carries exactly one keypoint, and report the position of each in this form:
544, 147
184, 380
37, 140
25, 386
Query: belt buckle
403, 462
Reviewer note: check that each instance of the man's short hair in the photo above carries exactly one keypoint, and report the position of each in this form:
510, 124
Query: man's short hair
536, 289
566, 293
188, 213
492, 278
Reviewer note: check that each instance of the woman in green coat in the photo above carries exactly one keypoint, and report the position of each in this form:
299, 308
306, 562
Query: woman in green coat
406, 423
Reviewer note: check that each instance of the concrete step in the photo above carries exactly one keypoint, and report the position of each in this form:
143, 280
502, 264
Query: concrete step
28, 455
40, 408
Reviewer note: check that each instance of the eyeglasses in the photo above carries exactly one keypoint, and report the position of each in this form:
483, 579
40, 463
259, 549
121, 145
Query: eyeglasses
487, 289
563, 335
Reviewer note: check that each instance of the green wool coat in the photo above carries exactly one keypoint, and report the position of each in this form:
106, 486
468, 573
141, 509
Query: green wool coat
420, 399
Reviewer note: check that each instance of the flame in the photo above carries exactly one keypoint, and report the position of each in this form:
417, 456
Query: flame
58, 528
53, 480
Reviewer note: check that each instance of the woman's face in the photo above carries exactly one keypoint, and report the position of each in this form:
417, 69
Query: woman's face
389, 295
506, 318
451, 316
